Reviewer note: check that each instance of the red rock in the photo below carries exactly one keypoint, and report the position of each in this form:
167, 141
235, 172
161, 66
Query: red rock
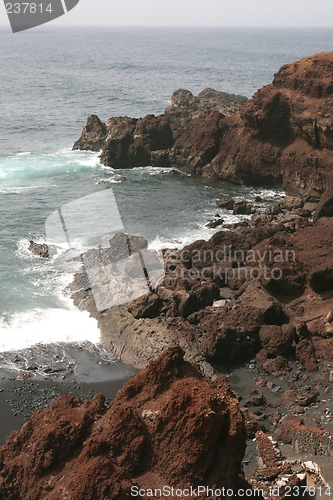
275, 339
147, 306
289, 398
118, 150
155, 131
262, 356
168, 426
230, 337
252, 423
272, 467
284, 134
306, 354
285, 431
193, 284
292, 202
306, 399
261, 382
325, 206
253, 294
326, 348
277, 366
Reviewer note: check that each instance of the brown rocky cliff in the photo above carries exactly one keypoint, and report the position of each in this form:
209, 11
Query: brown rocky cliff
284, 135
167, 426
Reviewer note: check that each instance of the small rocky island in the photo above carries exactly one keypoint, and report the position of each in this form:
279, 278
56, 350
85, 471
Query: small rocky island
259, 305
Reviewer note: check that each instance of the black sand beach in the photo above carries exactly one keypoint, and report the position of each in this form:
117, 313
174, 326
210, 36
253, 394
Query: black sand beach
24, 390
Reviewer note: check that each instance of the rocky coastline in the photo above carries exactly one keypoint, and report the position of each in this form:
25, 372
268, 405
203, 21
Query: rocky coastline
236, 343
282, 136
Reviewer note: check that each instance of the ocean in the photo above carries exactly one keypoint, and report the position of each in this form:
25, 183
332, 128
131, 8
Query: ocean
51, 80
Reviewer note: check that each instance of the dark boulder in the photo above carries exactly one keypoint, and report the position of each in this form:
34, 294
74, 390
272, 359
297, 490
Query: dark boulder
306, 354
231, 337
277, 339
40, 249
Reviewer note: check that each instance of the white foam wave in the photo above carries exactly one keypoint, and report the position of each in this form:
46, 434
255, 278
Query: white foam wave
47, 326
24, 166
115, 180
18, 189
92, 162
108, 169
150, 170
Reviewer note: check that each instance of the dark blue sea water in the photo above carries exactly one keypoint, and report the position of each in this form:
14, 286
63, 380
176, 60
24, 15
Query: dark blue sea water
50, 81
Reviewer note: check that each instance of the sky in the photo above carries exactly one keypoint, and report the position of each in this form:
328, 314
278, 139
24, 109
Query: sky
195, 13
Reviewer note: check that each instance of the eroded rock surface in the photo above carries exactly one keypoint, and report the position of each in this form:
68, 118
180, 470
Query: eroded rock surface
282, 136
263, 289
167, 426
187, 136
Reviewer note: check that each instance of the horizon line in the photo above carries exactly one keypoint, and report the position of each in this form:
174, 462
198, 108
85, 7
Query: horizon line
173, 26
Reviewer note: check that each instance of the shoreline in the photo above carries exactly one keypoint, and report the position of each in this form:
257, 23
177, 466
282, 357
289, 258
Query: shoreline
270, 335
21, 392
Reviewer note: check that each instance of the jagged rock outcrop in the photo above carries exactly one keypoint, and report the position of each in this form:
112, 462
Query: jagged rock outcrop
93, 135
282, 136
187, 135
168, 426
252, 290
325, 206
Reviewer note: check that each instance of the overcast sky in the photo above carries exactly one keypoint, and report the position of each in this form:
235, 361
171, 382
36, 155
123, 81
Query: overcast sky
196, 13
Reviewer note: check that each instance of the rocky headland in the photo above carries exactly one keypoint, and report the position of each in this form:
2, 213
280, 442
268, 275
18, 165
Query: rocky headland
282, 136
186, 136
263, 287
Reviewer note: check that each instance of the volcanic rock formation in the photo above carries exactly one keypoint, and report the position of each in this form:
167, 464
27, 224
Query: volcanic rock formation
168, 426
282, 136
187, 136
255, 290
